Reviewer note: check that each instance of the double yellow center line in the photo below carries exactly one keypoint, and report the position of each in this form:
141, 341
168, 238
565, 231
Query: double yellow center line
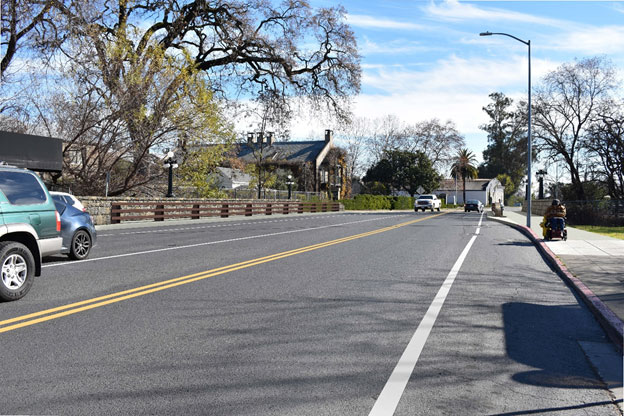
85, 305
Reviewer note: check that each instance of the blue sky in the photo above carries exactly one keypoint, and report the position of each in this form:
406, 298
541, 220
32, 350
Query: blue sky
425, 59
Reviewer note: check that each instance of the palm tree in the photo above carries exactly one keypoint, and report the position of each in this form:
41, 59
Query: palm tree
464, 166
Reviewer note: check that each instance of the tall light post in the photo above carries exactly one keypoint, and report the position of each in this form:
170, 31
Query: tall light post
290, 184
540, 179
528, 43
256, 142
170, 163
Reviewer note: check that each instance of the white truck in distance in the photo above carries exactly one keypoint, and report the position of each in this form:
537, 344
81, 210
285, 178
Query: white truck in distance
427, 201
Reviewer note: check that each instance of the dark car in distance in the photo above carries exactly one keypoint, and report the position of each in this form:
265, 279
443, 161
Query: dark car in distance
77, 230
473, 205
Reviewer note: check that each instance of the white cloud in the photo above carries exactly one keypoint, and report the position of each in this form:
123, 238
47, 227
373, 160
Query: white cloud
456, 74
455, 89
590, 40
396, 46
359, 20
453, 10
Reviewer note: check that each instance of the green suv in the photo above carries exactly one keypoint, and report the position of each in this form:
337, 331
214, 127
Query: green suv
30, 229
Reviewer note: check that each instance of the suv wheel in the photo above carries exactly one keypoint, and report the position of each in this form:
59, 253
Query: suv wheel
80, 245
17, 269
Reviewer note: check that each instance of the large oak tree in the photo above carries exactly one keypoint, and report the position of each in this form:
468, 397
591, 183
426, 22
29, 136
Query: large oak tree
148, 68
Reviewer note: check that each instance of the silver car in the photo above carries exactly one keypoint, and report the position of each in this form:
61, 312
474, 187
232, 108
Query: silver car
77, 230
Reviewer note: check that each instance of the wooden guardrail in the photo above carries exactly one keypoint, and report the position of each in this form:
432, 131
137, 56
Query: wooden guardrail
160, 211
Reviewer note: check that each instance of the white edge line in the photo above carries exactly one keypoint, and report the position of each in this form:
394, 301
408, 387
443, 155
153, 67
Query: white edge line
479, 226
389, 397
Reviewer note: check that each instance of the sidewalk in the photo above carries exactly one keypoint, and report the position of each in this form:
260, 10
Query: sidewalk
592, 263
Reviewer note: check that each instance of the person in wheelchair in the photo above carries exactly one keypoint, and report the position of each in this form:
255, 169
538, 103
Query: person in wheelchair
554, 218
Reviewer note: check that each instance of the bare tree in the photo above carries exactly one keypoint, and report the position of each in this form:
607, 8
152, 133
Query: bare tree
22, 21
439, 141
388, 133
565, 105
606, 140
138, 67
244, 46
117, 125
354, 136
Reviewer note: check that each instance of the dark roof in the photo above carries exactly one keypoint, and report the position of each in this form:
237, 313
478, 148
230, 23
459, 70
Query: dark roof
471, 184
290, 152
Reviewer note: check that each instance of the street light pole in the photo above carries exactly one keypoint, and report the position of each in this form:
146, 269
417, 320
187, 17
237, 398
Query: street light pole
540, 179
170, 163
290, 184
529, 156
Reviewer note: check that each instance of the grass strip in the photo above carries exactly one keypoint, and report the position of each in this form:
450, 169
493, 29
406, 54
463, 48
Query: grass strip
615, 232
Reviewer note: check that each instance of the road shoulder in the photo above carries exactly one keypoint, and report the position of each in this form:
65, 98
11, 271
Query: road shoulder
611, 323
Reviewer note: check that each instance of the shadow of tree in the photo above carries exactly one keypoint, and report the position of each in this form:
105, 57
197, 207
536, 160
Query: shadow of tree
541, 336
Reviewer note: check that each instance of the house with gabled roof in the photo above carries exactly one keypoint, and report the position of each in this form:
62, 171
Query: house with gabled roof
311, 163
485, 190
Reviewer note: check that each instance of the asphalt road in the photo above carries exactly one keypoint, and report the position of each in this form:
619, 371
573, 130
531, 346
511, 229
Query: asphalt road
303, 315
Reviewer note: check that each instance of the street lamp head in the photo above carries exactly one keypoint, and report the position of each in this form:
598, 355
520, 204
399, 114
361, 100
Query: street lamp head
485, 34
169, 154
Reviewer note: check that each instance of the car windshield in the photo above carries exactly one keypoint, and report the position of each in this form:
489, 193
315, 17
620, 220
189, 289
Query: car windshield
425, 197
472, 201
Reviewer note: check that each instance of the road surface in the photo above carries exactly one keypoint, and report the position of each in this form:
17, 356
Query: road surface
337, 314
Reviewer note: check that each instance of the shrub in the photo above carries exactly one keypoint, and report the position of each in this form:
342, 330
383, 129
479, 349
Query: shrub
377, 202
402, 202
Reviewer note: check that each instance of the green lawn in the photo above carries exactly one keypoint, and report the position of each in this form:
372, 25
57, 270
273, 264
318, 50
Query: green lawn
615, 232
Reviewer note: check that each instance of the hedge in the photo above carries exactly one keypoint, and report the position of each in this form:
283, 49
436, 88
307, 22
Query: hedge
376, 202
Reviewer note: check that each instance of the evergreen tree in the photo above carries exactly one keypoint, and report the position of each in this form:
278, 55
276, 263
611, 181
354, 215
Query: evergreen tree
464, 167
404, 171
507, 140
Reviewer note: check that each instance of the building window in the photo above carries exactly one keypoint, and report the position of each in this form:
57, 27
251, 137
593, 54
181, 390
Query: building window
74, 157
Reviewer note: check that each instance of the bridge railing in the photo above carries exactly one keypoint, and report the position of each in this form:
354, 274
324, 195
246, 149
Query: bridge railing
160, 211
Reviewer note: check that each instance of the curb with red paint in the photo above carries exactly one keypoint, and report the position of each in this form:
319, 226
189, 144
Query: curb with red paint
610, 322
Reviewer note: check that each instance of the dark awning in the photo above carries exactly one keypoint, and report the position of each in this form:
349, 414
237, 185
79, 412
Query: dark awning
44, 154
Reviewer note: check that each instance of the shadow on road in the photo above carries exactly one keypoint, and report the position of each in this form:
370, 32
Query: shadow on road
553, 409
546, 338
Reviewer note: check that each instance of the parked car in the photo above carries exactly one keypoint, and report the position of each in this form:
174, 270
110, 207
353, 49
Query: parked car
77, 230
68, 199
473, 205
30, 229
427, 202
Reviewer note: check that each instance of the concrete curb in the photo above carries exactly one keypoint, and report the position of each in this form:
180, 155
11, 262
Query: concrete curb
610, 322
